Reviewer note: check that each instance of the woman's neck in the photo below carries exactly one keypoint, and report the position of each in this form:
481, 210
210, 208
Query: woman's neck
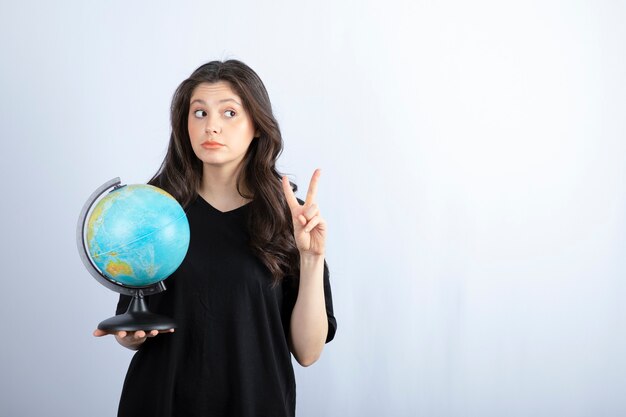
219, 188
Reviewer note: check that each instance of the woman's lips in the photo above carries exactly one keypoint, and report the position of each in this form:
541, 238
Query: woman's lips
211, 145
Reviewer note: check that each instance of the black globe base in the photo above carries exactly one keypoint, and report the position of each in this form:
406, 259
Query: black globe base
137, 317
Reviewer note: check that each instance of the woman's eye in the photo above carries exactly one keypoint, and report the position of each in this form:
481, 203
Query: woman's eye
230, 111
199, 113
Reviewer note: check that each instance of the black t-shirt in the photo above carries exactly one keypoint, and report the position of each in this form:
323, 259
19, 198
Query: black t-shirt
229, 355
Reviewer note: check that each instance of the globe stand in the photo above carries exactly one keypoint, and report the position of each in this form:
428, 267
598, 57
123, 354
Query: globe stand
137, 316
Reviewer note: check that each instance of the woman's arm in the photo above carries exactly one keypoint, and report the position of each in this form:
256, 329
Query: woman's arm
309, 324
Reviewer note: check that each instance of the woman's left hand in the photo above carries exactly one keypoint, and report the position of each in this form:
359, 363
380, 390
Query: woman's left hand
309, 228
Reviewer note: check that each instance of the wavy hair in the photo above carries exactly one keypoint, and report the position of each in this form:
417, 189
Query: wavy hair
180, 174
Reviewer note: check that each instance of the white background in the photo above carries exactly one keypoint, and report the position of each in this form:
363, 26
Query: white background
473, 178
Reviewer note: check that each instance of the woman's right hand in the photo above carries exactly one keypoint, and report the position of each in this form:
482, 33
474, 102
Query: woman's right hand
131, 340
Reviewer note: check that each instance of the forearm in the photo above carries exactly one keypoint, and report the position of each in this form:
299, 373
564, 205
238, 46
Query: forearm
309, 324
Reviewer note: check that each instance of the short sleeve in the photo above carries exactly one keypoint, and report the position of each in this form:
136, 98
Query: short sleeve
328, 298
290, 295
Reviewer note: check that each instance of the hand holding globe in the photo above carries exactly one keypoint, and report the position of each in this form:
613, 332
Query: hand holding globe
131, 340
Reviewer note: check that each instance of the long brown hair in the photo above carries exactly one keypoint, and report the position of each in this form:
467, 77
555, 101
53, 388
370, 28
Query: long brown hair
269, 222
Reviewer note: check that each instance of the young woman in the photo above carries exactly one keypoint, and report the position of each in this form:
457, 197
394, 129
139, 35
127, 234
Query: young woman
254, 286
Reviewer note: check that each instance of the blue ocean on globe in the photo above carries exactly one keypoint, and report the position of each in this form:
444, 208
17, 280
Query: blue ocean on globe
137, 235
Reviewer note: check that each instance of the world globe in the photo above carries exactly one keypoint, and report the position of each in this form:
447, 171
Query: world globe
137, 235
131, 241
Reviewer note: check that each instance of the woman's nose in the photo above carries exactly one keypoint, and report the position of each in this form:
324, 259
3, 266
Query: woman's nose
212, 125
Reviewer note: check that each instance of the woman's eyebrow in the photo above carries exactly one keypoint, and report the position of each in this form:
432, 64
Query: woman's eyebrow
221, 101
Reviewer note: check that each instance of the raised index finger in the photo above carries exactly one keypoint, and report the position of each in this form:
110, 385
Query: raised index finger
310, 194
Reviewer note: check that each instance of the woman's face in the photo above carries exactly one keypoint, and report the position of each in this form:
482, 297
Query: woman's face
219, 127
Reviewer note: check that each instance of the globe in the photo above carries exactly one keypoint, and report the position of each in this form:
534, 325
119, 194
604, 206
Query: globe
137, 235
